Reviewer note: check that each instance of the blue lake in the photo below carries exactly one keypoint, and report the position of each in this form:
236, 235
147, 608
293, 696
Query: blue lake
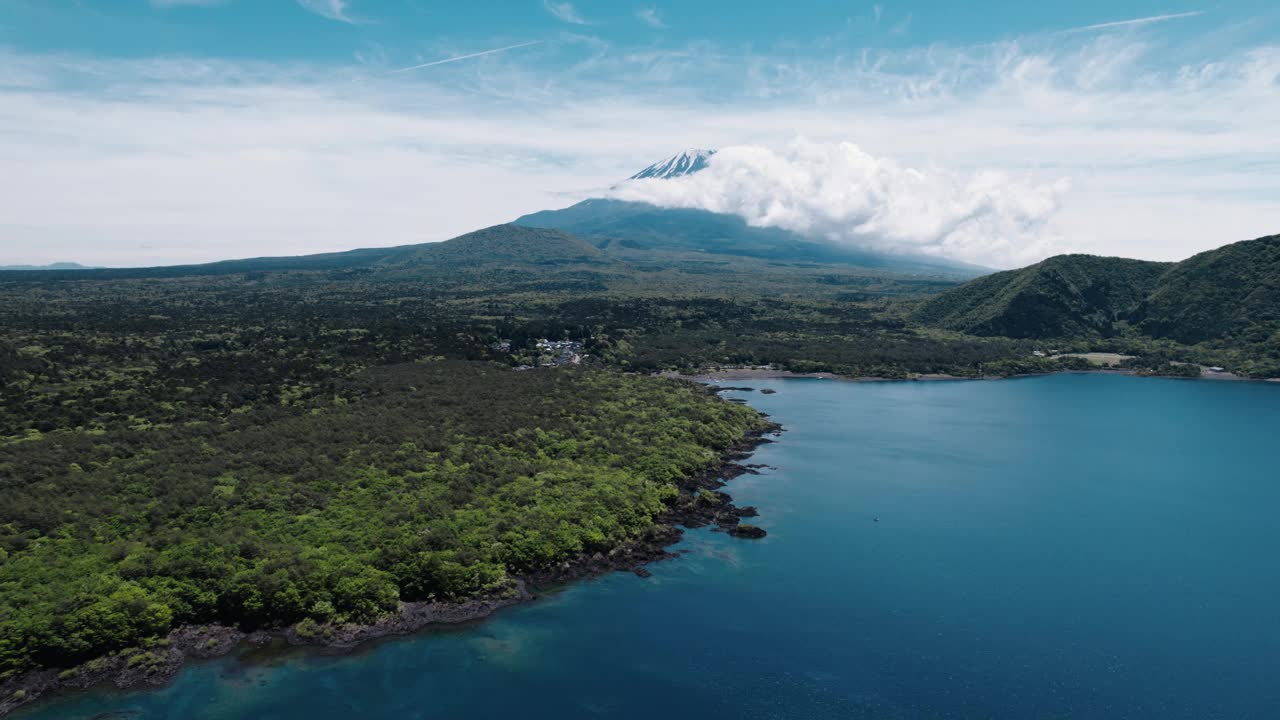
1058, 547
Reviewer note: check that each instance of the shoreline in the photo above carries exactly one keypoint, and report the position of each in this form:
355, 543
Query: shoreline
700, 503
714, 376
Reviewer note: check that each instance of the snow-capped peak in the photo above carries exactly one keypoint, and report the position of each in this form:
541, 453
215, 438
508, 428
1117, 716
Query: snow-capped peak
683, 163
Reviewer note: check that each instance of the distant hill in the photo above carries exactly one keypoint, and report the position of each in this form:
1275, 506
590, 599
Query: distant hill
1233, 291
1229, 293
630, 229
50, 266
1063, 296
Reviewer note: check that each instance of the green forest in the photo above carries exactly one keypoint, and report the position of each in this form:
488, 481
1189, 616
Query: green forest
314, 440
433, 479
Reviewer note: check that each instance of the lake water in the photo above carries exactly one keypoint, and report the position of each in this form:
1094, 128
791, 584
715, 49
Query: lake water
1055, 547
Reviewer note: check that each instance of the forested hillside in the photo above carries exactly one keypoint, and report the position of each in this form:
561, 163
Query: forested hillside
1230, 294
1221, 306
1063, 296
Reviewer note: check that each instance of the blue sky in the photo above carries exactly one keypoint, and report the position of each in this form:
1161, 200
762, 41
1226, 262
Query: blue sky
160, 131
405, 30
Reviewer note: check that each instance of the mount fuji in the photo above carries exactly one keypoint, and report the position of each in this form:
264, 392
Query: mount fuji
633, 230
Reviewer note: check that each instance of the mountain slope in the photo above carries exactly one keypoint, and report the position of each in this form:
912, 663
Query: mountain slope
500, 244
508, 245
628, 229
1063, 296
517, 258
1233, 291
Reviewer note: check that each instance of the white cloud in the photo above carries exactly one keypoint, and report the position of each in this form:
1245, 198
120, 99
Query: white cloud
650, 17
839, 192
332, 9
564, 11
204, 159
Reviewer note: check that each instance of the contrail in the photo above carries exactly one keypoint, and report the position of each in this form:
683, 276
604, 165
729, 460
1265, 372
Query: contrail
464, 57
1138, 21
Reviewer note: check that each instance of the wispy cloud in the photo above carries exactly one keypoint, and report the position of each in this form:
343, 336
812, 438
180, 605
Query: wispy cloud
902, 27
1138, 21
332, 9
165, 4
650, 17
564, 11
465, 57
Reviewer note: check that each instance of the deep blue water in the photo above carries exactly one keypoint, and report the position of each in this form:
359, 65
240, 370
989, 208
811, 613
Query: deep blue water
1056, 547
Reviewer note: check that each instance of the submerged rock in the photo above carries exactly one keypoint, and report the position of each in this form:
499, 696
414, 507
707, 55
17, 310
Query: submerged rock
727, 519
748, 531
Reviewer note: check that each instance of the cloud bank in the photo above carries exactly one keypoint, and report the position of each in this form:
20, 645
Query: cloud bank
839, 192
1170, 150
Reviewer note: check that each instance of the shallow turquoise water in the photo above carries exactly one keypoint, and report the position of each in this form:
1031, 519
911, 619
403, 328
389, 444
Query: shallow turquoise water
1057, 547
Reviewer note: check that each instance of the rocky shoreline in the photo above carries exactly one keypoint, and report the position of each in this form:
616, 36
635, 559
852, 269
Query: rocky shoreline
717, 376
158, 663
700, 503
